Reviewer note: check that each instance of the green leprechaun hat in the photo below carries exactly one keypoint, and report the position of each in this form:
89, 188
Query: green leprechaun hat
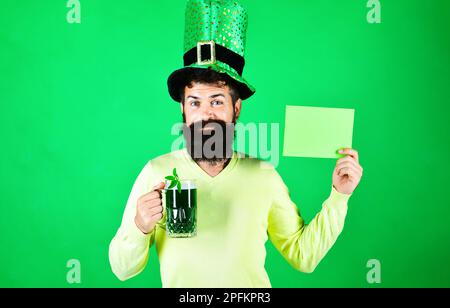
215, 35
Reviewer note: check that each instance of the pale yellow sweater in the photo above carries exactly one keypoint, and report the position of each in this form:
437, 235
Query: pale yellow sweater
238, 210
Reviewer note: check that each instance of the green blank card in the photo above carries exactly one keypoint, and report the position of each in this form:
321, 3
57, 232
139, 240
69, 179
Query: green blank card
317, 131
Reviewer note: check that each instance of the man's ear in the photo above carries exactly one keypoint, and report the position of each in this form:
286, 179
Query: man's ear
237, 108
181, 107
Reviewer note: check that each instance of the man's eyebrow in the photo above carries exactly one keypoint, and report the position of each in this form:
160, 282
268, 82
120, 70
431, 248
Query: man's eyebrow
216, 95
192, 96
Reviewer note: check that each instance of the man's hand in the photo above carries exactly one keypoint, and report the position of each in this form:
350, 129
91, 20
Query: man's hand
348, 172
149, 209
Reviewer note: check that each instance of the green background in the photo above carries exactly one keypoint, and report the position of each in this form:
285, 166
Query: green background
85, 106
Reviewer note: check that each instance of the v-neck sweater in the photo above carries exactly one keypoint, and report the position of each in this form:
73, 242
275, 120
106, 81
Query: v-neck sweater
238, 210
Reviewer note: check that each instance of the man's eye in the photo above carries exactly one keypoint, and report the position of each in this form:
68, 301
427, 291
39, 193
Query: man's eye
194, 103
216, 103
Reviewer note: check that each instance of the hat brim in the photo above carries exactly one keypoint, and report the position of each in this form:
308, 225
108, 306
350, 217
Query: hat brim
178, 79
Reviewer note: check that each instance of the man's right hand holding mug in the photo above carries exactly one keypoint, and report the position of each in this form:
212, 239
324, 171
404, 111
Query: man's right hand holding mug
149, 209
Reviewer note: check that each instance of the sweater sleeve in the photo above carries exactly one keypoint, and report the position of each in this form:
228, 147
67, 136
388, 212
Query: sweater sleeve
304, 246
129, 249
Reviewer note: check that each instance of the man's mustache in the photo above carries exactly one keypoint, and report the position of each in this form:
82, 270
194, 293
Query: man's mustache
210, 125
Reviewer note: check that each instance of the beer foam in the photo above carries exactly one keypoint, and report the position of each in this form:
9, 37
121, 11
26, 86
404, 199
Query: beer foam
185, 186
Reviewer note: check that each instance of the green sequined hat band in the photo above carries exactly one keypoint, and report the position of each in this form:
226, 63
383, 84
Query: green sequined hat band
208, 52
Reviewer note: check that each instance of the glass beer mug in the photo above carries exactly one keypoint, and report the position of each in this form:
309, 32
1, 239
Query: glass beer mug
181, 209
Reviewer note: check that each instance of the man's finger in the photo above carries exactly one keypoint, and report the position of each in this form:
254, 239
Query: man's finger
157, 216
346, 158
155, 194
345, 171
352, 152
152, 203
155, 210
349, 163
351, 172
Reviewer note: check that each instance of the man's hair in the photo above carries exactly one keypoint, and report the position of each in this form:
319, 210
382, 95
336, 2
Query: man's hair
211, 77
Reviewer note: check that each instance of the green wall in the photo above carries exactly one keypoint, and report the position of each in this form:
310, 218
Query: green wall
84, 106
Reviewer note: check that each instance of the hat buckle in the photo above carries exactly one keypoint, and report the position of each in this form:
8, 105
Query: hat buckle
212, 48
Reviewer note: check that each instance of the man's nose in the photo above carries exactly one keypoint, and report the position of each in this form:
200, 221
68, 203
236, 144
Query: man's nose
208, 113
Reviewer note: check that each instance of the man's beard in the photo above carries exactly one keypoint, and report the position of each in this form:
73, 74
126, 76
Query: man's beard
214, 145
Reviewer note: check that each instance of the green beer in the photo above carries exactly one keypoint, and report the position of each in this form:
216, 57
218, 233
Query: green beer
181, 210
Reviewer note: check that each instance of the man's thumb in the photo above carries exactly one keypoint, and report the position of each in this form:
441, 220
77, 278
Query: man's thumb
160, 185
